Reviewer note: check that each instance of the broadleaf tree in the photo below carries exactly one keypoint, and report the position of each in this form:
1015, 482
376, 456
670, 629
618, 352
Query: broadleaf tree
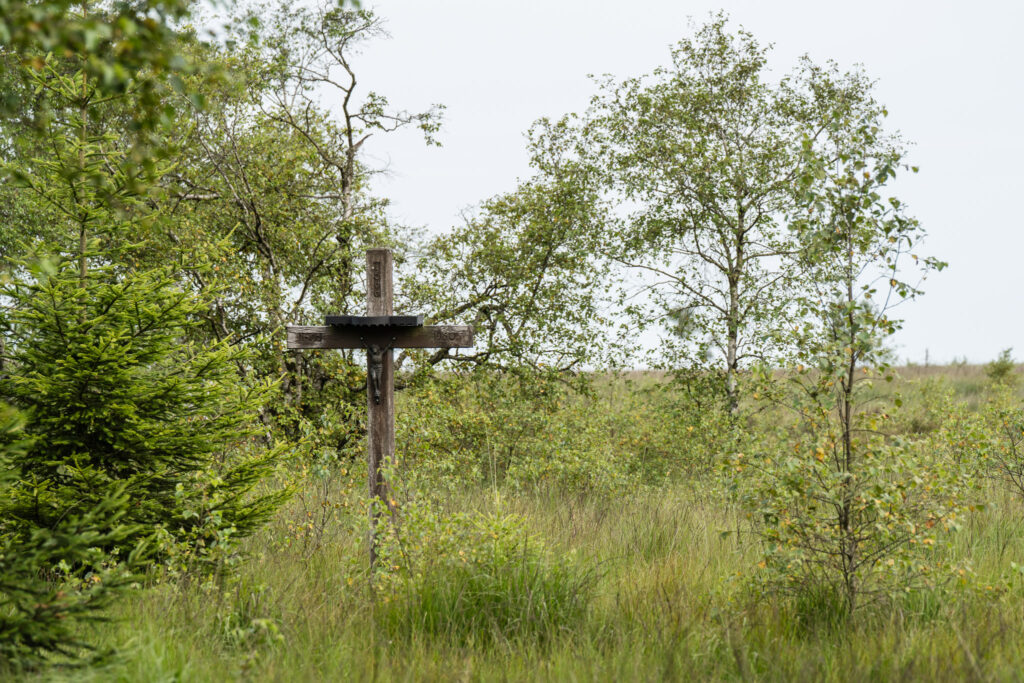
700, 161
846, 513
97, 348
524, 270
272, 182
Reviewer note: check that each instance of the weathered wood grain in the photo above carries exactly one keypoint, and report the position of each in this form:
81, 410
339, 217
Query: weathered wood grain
380, 427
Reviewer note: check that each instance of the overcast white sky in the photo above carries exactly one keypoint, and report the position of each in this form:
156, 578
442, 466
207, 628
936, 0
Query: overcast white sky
949, 72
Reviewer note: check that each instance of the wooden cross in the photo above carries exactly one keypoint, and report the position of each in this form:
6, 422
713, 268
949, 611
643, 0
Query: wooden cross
379, 332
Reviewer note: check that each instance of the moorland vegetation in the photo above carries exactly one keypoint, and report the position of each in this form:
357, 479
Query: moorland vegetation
181, 497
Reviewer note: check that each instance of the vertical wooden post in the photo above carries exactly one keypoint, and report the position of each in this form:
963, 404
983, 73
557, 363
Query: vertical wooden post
380, 387
379, 337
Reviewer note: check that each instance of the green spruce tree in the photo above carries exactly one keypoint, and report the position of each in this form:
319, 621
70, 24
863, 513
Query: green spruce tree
57, 576
117, 397
99, 352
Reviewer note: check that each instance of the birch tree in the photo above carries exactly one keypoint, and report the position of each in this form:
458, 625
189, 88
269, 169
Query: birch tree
701, 160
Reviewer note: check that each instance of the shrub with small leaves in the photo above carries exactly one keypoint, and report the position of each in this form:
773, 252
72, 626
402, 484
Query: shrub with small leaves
845, 509
1002, 370
486, 427
864, 534
1005, 419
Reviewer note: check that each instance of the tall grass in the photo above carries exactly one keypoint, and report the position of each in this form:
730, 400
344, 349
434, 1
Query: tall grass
591, 586
664, 597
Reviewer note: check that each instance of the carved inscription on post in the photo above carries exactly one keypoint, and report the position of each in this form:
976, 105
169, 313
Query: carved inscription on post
376, 279
313, 339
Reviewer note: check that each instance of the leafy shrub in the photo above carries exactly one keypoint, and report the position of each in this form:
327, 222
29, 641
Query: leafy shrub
1001, 371
860, 535
962, 438
502, 431
575, 454
925, 405
1005, 420
499, 430
668, 432
840, 506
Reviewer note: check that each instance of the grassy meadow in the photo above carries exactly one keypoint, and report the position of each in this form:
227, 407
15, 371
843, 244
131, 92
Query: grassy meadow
585, 538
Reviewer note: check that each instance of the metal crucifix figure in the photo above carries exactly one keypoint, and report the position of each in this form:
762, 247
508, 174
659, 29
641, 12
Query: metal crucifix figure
374, 369
379, 332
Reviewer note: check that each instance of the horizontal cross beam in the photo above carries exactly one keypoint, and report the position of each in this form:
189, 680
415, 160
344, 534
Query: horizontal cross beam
427, 337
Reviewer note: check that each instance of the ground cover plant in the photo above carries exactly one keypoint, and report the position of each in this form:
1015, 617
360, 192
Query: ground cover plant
184, 498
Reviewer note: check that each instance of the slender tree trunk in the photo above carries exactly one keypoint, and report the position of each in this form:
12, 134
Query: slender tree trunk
83, 209
849, 542
732, 348
735, 277
83, 137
